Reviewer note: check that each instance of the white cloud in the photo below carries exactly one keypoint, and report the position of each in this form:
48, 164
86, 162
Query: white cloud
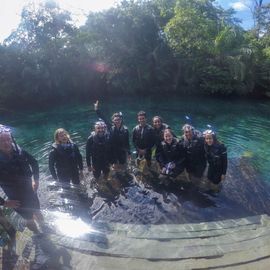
239, 6
11, 10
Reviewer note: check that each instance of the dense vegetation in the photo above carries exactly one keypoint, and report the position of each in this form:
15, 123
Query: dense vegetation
139, 47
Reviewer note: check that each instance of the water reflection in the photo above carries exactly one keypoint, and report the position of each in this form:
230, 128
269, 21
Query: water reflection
70, 226
84, 213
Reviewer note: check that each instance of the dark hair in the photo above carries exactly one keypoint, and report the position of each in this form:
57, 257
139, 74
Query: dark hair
167, 130
141, 113
117, 114
159, 117
188, 127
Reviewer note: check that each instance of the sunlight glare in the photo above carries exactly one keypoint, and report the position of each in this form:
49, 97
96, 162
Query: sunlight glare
72, 227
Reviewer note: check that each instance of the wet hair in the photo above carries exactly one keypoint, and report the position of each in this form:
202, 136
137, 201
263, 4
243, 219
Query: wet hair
7, 130
141, 113
167, 130
117, 114
212, 133
57, 132
159, 117
100, 124
188, 127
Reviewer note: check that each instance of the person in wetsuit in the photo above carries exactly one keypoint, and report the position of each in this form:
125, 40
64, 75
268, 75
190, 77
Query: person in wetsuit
216, 155
17, 168
143, 138
170, 155
119, 136
98, 151
159, 126
193, 143
65, 160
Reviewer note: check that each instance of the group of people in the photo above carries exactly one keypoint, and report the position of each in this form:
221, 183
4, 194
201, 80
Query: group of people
108, 147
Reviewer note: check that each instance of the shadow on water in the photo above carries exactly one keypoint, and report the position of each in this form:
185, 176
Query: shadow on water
146, 201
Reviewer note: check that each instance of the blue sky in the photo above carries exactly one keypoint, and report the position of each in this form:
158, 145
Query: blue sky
242, 10
11, 9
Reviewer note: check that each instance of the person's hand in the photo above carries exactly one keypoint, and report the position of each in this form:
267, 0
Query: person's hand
11, 203
223, 176
35, 185
96, 105
163, 170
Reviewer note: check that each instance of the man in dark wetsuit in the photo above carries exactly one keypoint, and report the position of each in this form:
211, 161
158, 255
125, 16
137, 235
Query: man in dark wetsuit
143, 138
16, 170
98, 151
193, 143
119, 136
65, 159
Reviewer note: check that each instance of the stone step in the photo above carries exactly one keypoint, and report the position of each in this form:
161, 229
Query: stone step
191, 227
228, 244
171, 249
248, 260
189, 231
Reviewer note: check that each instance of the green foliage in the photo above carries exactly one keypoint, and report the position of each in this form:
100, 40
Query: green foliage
143, 46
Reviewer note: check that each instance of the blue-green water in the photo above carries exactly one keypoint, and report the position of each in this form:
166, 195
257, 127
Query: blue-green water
244, 126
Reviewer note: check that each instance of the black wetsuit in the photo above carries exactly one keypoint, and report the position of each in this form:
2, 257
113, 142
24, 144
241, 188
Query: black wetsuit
159, 133
216, 155
173, 152
16, 181
98, 153
144, 139
195, 155
119, 140
67, 161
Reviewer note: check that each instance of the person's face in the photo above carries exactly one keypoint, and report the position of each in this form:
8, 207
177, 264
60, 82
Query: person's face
100, 130
5, 143
188, 134
117, 121
156, 123
63, 137
209, 139
168, 137
142, 120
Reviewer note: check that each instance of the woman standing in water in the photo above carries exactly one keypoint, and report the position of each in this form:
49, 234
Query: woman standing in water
65, 160
159, 127
19, 179
216, 155
170, 155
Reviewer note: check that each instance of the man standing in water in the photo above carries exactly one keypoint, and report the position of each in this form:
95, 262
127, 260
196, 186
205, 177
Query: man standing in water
119, 136
16, 170
98, 151
143, 138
